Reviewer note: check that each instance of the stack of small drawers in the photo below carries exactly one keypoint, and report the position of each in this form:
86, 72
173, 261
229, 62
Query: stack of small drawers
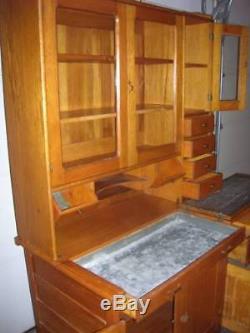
199, 157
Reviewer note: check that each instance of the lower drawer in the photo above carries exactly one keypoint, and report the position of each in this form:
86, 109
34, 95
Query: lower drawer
194, 147
199, 166
200, 188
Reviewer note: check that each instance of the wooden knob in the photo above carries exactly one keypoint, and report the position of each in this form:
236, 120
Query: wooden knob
205, 146
184, 318
212, 185
204, 125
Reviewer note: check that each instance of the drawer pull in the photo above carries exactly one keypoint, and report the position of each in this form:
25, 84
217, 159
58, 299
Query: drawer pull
205, 145
184, 318
206, 166
212, 186
204, 125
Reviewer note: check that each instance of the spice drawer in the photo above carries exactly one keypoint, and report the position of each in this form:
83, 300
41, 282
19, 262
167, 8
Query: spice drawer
194, 147
199, 166
198, 124
201, 187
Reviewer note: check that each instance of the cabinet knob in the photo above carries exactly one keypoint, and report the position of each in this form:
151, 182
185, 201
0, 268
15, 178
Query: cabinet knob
204, 125
206, 166
212, 186
131, 87
205, 146
184, 318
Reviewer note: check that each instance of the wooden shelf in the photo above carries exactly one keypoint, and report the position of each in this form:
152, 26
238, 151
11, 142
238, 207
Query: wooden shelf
195, 65
149, 108
88, 58
153, 61
79, 235
75, 116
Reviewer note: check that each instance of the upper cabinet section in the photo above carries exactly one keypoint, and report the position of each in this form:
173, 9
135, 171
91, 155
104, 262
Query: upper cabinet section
113, 86
198, 65
230, 67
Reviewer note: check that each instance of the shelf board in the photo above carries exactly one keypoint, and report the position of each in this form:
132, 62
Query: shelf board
88, 58
149, 108
75, 116
78, 235
153, 61
195, 65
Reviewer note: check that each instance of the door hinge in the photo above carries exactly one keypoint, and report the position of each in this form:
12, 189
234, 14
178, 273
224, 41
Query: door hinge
210, 97
211, 35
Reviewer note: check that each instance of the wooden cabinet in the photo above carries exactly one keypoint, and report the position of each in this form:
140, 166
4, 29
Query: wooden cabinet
96, 93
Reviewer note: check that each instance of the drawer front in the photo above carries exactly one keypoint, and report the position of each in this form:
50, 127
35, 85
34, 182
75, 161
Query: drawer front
199, 167
202, 187
200, 146
198, 125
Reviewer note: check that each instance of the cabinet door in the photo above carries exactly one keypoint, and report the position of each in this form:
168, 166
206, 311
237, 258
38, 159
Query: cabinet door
82, 73
198, 65
158, 36
199, 304
230, 63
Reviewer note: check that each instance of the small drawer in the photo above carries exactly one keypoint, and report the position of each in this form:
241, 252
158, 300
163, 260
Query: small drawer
198, 124
199, 166
202, 187
198, 146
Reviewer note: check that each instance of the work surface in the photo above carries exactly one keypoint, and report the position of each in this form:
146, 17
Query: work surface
146, 259
234, 195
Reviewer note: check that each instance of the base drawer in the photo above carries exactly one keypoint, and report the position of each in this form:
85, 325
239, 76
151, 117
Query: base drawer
199, 166
198, 124
200, 188
194, 147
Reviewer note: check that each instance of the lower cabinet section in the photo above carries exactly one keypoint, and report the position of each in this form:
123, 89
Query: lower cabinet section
66, 302
199, 304
236, 316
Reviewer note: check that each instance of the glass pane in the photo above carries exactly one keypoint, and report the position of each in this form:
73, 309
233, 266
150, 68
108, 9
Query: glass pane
86, 70
229, 67
155, 50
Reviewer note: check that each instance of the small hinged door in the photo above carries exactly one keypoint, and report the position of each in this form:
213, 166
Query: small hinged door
86, 87
230, 63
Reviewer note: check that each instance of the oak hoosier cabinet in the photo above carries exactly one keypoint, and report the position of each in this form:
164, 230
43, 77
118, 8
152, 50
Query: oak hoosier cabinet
96, 93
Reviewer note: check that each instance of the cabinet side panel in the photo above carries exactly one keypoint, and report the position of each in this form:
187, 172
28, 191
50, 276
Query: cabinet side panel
25, 117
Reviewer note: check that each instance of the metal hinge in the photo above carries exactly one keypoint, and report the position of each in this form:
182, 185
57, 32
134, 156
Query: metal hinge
211, 35
210, 97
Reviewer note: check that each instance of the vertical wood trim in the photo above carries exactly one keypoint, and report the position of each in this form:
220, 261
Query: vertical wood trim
179, 80
51, 89
126, 90
243, 68
210, 68
26, 123
216, 79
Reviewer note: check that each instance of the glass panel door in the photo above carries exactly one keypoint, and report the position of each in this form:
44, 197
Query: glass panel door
86, 70
155, 81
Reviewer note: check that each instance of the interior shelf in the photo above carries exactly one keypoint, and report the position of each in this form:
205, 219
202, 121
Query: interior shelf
153, 61
87, 115
148, 108
89, 58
